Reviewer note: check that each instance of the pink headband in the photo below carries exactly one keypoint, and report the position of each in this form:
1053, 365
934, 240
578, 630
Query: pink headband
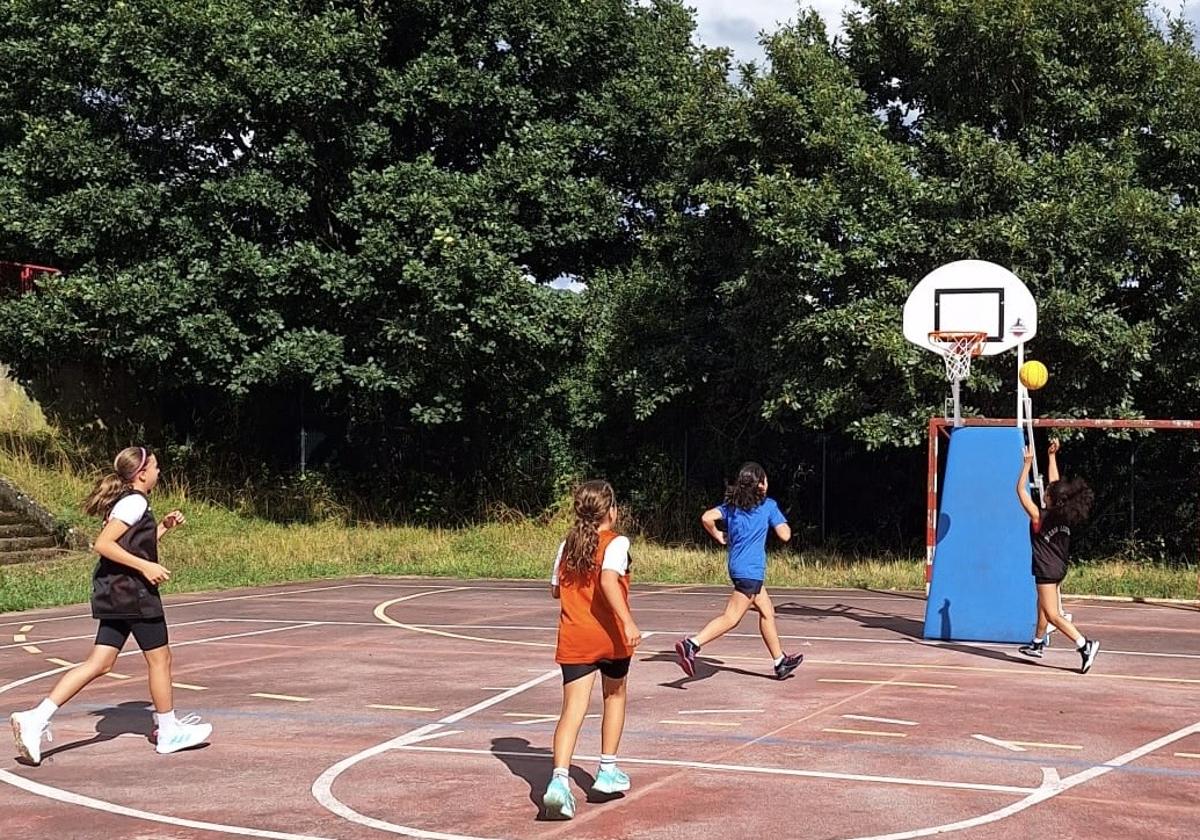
141, 464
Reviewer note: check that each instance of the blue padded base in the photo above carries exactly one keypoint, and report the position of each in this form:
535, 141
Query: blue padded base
982, 588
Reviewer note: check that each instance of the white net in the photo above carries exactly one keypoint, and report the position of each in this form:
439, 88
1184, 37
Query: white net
958, 349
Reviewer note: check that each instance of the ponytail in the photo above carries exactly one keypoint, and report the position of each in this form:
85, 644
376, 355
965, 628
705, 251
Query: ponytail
128, 463
593, 500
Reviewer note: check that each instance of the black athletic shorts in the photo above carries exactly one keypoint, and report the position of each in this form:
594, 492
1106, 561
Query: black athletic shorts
747, 586
149, 633
614, 669
1048, 570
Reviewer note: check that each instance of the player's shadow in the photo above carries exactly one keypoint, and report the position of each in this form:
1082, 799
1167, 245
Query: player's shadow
130, 718
867, 618
534, 765
706, 668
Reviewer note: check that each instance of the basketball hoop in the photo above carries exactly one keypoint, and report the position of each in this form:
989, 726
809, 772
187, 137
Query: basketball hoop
958, 349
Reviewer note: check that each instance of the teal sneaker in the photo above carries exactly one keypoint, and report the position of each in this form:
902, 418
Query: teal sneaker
560, 804
611, 781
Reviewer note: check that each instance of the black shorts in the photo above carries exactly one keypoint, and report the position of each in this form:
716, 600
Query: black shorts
1048, 571
747, 586
614, 669
149, 633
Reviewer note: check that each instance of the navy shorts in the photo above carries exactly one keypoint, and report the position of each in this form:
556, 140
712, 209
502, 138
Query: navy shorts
747, 586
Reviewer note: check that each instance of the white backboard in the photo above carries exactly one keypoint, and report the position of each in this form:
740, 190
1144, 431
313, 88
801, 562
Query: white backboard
971, 296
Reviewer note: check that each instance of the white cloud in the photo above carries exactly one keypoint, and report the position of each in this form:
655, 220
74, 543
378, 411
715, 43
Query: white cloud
737, 23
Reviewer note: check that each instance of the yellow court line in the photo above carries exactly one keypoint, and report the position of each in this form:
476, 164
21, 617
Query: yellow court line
20, 637
867, 732
31, 649
290, 698
189, 686
699, 723
1038, 745
889, 682
401, 708
61, 662
1187, 755
26, 628
115, 676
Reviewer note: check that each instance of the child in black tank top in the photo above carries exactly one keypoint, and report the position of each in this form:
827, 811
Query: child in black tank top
126, 602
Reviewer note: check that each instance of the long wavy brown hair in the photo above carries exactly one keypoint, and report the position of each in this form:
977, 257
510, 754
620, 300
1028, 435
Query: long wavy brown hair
1070, 500
746, 491
111, 486
593, 500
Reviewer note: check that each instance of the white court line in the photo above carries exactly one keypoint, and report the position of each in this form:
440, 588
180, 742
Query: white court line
288, 697
1187, 755
751, 769
1050, 788
888, 682
69, 798
700, 723
20, 637
719, 711
189, 686
866, 732
31, 649
174, 624
401, 708
882, 720
1008, 745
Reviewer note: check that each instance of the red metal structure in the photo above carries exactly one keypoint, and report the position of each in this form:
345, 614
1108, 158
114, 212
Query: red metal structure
22, 275
938, 425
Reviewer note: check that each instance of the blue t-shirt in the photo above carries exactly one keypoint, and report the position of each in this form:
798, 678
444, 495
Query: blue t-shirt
746, 536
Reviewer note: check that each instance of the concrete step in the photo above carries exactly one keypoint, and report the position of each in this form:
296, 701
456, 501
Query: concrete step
26, 543
10, 517
21, 529
9, 558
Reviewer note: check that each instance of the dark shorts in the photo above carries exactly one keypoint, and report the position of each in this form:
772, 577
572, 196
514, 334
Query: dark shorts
614, 669
1048, 571
747, 586
150, 633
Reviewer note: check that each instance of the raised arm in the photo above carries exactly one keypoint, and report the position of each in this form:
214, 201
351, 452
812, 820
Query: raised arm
1052, 467
709, 520
1023, 489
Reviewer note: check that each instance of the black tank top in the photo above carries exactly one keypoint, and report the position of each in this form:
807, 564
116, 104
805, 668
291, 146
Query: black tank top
117, 590
1052, 540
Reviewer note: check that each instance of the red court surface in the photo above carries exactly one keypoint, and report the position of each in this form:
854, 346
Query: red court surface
425, 708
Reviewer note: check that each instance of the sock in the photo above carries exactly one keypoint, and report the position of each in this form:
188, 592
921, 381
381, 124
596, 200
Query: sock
46, 709
777, 661
166, 721
1080, 644
692, 641
560, 773
607, 762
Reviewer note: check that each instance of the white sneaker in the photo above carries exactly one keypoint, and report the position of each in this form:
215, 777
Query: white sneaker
188, 732
28, 731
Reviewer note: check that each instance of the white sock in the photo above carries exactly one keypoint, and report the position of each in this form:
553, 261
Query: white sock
694, 642
166, 720
607, 762
560, 773
1082, 641
777, 661
46, 709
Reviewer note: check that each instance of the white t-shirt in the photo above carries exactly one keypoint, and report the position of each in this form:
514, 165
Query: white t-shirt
616, 558
130, 509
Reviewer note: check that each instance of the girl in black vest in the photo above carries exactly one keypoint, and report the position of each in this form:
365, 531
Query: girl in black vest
1068, 503
125, 599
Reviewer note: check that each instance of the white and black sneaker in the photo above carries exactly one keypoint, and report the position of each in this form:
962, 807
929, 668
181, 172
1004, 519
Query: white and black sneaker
1035, 649
1087, 655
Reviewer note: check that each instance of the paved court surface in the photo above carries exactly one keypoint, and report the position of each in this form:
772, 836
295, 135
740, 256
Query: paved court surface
378, 707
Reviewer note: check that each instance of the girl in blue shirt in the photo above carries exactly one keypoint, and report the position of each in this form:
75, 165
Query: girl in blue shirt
749, 516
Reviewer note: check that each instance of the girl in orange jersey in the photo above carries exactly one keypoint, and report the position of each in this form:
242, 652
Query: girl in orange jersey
595, 633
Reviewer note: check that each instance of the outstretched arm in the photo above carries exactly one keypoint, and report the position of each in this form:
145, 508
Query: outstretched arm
1023, 489
1052, 467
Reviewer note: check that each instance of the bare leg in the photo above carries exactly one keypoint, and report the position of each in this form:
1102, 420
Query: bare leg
158, 661
1048, 605
99, 662
576, 695
613, 722
735, 609
766, 624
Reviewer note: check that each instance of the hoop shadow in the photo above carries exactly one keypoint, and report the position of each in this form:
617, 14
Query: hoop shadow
706, 668
866, 618
533, 764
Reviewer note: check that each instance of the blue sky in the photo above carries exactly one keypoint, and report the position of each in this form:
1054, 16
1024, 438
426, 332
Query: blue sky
736, 23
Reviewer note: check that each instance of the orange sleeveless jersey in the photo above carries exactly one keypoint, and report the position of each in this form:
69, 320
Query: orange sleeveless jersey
588, 629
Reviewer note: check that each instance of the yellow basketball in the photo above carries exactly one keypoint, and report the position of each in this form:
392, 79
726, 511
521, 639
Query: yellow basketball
1034, 375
